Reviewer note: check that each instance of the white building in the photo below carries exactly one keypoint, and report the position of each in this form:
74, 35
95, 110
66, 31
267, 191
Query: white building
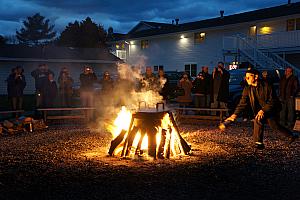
268, 38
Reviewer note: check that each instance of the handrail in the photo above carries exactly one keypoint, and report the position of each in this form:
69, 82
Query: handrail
269, 63
273, 58
284, 63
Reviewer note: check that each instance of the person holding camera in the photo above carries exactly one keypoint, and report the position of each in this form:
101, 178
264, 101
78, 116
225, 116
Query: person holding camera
87, 80
220, 87
187, 86
15, 86
65, 82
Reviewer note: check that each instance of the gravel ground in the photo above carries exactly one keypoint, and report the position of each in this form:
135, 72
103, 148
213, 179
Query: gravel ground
71, 163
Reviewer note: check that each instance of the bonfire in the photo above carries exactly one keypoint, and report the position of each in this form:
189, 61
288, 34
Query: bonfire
147, 132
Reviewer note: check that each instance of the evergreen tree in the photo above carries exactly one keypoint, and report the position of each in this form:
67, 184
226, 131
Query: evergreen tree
36, 30
2, 40
86, 34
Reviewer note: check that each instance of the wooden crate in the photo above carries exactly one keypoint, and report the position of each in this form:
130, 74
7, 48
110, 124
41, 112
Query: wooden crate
297, 103
297, 125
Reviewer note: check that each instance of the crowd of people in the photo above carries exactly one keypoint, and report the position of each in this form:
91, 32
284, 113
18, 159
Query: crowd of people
205, 91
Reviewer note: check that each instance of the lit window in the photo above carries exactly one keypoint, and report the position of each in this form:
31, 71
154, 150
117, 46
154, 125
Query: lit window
199, 37
265, 30
120, 46
121, 54
144, 44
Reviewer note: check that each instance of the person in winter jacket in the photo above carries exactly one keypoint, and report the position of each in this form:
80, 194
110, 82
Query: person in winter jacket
15, 86
65, 82
40, 76
288, 88
50, 92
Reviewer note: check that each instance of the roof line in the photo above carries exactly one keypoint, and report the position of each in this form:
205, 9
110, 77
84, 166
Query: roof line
57, 60
197, 30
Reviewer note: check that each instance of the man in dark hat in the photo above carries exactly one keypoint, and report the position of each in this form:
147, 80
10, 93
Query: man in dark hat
260, 97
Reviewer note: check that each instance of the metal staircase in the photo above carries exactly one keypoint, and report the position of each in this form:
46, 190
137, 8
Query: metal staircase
246, 47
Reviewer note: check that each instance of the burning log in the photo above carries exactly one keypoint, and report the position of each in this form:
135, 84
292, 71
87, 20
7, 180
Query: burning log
116, 142
161, 148
185, 146
129, 141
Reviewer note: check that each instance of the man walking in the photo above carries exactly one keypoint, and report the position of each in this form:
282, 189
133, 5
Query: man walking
260, 96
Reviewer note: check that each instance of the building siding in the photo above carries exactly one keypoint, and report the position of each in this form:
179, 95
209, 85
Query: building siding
173, 52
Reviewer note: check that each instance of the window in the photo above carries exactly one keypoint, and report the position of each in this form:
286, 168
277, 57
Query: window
144, 44
158, 67
191, 69
199, 37
298, 24
120, 46
121, 54
265, 30
290, 25
293, 24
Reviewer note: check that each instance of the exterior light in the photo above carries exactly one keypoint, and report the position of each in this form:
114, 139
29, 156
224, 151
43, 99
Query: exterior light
182, 37
202, 35
131, 42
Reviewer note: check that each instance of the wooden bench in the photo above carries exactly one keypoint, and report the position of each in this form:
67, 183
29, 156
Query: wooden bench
11, 111
7, 112
84, 114
222, 112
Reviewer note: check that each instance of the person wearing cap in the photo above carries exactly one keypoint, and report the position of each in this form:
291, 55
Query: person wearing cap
107, 83
261, 99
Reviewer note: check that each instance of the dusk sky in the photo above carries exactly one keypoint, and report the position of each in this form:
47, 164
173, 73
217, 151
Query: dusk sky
122, 15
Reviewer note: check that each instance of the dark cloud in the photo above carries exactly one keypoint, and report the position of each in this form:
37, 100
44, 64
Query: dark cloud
122, 15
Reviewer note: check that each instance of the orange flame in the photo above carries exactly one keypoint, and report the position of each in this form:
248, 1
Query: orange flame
122, 122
